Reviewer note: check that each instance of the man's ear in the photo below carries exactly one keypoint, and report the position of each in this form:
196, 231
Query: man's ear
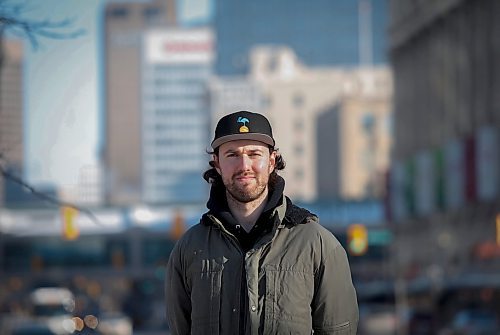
272, 161
216, 164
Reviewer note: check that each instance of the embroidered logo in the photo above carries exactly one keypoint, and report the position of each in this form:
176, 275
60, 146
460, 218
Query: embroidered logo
243, 128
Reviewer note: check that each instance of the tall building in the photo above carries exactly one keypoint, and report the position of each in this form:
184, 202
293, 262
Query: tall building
320, 32
176, 66
124, 24
233, 93
299, 100
11, 109
354, 138
89, 187
445, 180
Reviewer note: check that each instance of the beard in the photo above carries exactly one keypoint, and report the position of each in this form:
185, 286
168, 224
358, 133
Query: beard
246, 192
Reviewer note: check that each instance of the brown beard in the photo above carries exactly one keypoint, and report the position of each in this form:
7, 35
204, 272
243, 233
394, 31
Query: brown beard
244, 195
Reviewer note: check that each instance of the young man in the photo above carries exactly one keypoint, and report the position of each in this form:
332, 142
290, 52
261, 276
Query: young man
256, 263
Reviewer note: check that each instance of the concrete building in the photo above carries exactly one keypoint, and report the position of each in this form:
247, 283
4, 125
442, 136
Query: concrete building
297, 100
176, 66
232, 93
445, 182
354, 139
297, 97
124, 24
89, 186
11, 109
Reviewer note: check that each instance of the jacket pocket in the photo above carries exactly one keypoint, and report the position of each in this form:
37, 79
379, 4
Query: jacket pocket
340, 329
288, 301
206, 296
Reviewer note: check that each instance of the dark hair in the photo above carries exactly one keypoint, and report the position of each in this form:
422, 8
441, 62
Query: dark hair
214, 178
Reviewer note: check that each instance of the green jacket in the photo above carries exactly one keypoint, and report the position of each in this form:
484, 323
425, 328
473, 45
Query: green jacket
297, 278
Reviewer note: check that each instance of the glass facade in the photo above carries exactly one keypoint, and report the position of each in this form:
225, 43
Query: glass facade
175, 132
321, 32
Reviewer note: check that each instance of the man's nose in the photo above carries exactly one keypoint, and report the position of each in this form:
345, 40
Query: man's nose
245, 162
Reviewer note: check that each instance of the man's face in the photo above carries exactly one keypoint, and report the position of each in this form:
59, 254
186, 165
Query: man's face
245, 167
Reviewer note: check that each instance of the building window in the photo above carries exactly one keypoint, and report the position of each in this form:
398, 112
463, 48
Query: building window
298, 125
272, 64
267, 101
151, 14
298, 100
299, 174
299, 149
118, 12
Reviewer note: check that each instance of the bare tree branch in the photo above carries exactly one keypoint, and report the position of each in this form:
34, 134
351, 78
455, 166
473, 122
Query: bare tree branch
11, 19
47, 198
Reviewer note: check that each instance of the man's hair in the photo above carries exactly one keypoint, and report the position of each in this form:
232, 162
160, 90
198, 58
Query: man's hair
214, 178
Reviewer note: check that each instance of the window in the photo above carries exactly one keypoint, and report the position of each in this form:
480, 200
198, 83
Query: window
118, 12
298, 100
151, 14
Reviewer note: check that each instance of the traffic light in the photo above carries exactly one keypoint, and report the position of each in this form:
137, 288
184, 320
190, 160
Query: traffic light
178, 226
70, 229
357, 239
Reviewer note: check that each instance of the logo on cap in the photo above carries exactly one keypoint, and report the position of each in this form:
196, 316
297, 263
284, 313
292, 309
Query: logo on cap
243, 128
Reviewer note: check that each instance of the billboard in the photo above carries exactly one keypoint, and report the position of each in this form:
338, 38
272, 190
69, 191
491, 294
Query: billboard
179, 46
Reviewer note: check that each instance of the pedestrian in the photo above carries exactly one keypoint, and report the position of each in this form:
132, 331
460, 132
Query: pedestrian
256, 263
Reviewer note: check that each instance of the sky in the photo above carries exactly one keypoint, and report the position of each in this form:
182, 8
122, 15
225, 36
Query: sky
61, 87
61, 95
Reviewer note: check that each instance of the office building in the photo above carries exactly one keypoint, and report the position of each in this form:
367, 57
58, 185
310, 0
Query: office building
324, 158
176, 66
124, 24
11, 109
445, 181
321, 32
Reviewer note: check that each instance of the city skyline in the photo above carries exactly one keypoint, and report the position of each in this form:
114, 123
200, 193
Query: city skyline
65, 124
62, 88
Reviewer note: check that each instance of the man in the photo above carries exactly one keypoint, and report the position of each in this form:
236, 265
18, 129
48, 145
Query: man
256, 263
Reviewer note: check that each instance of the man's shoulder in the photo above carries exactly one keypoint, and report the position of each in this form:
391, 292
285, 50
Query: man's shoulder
194, 232
308, 226
295, 215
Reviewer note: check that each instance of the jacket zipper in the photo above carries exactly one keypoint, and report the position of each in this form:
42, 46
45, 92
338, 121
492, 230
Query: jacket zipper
242, 322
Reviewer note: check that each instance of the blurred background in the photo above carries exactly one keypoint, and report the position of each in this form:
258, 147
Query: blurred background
384, 111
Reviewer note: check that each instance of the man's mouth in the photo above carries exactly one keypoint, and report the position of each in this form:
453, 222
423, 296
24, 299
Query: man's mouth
244, 178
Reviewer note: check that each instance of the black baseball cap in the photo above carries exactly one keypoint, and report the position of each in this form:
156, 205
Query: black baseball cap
243, 125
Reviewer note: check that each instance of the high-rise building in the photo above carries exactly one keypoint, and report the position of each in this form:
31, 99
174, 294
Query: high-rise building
445, 179
300, 102
354, 138
124, 24
11, 108
176, 66
233, 93
89, 187
320, 32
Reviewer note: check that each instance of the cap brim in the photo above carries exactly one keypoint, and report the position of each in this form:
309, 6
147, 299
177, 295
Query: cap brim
245, 136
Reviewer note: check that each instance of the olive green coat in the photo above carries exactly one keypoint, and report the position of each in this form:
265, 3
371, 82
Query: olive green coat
298, 281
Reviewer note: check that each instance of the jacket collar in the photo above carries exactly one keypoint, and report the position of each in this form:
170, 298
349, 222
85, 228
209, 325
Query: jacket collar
218, 207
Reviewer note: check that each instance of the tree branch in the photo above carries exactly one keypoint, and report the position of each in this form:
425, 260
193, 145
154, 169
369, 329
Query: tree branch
10, 19
47, 198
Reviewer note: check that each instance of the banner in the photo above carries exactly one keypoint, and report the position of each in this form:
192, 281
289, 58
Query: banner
425, 196
396, 185
487, 163
454, 176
